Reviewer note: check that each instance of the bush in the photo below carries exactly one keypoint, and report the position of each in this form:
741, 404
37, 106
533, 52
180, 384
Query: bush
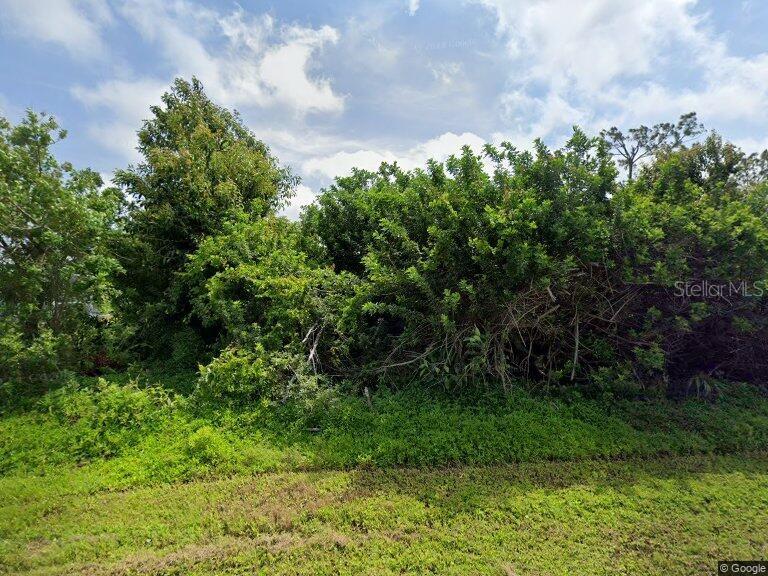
28, 366
549, 270
482, 272
546, 271
208, 446
104, 417
260, 287
238, 374
695, 260
246, 374
147, 438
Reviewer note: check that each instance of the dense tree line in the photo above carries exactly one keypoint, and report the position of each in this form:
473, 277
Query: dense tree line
549, 270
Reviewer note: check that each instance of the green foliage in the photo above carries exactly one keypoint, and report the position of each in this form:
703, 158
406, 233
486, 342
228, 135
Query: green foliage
55, 264
695, 253
538, 310
461, 270
237, 374
254, 274
483, 272
201, 168
109, 465
137, 432
105, 418
208, 446
244, 374
551, 270
259, 287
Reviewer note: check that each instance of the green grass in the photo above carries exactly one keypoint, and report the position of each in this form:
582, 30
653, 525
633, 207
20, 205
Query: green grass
675, 515
120, 434
126, 477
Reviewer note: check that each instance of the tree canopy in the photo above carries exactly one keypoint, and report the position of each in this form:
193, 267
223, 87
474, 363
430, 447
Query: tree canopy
201, 167
642, 142
549, 270
56, 268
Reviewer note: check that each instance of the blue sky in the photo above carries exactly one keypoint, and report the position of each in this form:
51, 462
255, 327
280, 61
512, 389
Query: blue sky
331, 85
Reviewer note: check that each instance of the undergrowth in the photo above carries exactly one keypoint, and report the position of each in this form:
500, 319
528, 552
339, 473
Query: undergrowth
134, 431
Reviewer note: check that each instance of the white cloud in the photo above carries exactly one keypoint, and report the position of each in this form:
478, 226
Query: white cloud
439, 148
601, 62
128, 103
366, 40
592, 42
74, 24
307, 142
413, 6
734, 89
303, 197
242, 60
341, 163
533, 117
284, 70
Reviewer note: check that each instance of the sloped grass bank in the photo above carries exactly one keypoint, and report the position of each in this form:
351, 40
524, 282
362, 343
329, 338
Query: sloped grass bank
675, 515
113, 435
134, 477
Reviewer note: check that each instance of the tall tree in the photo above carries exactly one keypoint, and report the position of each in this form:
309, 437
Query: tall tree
55, 266
201, 167
641, 142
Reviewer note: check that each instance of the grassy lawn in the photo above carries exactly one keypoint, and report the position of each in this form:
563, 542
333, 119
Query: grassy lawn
120, 478
675, 515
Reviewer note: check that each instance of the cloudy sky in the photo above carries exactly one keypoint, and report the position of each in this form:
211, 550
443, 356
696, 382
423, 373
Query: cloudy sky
331, 85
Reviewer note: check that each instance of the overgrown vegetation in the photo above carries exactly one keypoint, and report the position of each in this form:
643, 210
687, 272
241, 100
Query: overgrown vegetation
595, 314
56, 265
541, 268
127, 432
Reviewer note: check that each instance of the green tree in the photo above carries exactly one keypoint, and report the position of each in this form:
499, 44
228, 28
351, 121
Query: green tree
697, 217
55, 264
201, 167
643, 142
260, 285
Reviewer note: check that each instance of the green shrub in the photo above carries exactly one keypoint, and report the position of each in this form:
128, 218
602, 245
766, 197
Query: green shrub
103, 418
258, 285
549, 269
28, 366
147, 439
238, 374
482, 272
207, 445
243, 374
